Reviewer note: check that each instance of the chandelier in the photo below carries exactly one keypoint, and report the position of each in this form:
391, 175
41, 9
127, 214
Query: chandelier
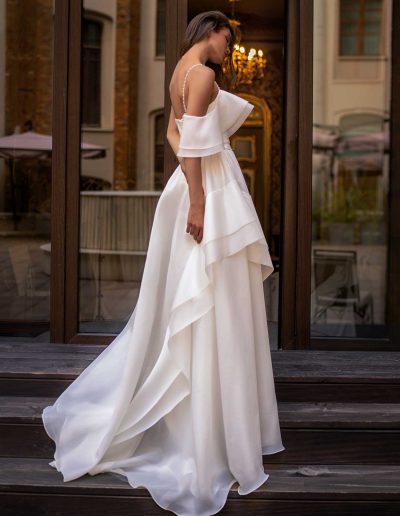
249, 66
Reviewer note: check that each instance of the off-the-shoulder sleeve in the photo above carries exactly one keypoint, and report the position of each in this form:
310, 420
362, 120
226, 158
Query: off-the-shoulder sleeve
234, 111
200, 135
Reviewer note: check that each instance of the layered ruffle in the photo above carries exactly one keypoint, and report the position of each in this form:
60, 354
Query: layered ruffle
106, 406
205, 135
231, 228
233, 111
200, 135
231, 225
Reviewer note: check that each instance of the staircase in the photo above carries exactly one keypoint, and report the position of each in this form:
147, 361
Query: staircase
340, 420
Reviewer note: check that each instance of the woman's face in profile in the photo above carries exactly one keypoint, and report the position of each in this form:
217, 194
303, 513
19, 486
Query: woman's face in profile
220, 43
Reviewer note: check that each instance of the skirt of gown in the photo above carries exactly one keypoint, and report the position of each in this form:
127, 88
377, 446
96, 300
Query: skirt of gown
182, 401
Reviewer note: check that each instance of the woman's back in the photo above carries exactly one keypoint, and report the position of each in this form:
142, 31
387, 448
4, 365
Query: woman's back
183, 77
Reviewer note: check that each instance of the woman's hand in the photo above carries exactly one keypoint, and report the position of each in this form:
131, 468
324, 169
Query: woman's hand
195, 221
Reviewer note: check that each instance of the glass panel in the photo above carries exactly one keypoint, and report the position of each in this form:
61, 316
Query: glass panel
360, 27
91, 69
121, 179
26, 75
371, 44
348, 45
350, 185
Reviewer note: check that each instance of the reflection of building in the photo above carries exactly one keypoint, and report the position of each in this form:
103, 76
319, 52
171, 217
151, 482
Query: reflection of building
128, 49
26, 95
122, 56
348, 85
123, 62
352, 49
88, 266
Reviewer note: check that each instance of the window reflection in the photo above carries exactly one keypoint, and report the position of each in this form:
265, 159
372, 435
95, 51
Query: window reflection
360, 27
123, 62
26, 72
350, 168
160, 36
91, 68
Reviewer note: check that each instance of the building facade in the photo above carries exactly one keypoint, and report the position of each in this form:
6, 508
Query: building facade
84, 87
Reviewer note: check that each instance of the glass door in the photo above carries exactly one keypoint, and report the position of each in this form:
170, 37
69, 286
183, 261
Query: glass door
351, 172
121, 178
26, 80
259, 66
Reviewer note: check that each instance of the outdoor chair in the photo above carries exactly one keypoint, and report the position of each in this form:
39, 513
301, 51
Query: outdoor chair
337, 287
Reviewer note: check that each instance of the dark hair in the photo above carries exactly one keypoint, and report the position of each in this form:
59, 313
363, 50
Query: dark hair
197, 30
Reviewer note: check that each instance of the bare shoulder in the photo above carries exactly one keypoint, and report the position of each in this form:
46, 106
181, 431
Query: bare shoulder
200, 89
202, 77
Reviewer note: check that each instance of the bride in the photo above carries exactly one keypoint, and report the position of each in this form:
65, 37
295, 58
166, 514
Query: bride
182, 402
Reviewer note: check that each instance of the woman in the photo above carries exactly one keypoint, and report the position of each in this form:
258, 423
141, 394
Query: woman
182, 401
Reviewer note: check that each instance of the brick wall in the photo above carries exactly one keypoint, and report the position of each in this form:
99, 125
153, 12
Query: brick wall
28, 96
29, 50
126, 93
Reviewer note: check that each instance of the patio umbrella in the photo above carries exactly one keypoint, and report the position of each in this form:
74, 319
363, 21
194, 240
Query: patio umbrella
36, 145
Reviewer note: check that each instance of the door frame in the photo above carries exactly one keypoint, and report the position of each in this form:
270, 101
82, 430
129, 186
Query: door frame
295, 267
295, 284
65, 171
393, 294
64, 290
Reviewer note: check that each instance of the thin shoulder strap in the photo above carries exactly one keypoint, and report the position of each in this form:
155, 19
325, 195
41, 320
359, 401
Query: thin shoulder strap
184, 83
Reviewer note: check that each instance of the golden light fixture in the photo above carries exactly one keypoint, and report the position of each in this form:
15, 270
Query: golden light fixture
249, 66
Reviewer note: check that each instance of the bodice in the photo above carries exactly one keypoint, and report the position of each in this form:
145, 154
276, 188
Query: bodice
209, 134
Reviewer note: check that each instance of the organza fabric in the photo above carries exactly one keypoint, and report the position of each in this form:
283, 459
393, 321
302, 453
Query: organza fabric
182, 402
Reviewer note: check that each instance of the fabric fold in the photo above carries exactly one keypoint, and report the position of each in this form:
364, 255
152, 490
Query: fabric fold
232, 225
200, 135
233, 111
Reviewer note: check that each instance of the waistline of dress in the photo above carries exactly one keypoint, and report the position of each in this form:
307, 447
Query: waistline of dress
226, 143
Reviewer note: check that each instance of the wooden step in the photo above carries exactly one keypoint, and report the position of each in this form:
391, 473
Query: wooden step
27, 410
21, 430
42, 369
341, 433
338, 376
311, 432
29, 369
31, 487
329, 415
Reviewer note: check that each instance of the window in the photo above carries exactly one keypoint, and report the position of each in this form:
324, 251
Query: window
158, 151
360, 27
352, 174
91, 72
160, 32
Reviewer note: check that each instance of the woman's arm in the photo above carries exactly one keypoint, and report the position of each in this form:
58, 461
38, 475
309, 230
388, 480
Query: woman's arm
173, 136
201, 90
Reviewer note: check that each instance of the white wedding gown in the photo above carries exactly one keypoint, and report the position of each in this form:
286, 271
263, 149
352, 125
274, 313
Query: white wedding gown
183, 401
